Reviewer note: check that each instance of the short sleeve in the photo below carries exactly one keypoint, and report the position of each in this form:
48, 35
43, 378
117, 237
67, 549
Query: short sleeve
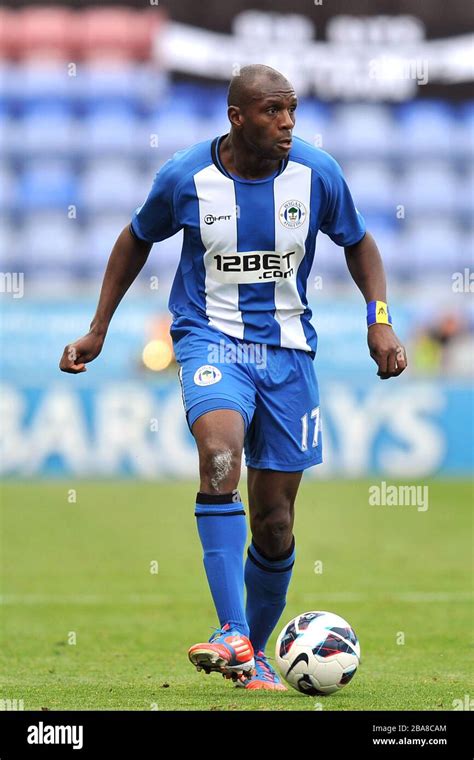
156, 219
344, 224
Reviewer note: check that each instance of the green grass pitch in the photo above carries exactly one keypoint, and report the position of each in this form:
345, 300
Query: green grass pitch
81, 571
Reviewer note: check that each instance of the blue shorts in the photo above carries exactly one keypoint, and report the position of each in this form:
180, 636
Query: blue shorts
274, 389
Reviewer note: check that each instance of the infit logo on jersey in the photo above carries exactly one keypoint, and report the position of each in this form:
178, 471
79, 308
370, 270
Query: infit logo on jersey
210, 218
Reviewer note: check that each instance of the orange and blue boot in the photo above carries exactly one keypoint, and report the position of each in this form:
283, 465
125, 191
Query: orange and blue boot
228, 652
264, 676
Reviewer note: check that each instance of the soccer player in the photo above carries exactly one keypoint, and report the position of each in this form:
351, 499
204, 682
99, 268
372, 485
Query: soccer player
251, 203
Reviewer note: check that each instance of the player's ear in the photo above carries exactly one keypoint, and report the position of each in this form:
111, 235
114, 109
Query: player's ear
235, 116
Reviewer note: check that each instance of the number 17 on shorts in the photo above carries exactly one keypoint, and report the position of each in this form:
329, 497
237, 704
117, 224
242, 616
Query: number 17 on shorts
310, 429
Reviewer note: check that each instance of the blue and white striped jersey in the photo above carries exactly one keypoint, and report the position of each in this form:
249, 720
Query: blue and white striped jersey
248, 245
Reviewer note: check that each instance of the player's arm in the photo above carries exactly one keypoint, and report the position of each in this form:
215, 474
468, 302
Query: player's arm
155, 220
126, 261
366, 268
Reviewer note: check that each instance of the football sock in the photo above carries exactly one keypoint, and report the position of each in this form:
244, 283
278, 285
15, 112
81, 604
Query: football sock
222, 528
267, 582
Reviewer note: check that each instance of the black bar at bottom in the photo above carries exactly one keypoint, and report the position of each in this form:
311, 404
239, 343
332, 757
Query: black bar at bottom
228, 734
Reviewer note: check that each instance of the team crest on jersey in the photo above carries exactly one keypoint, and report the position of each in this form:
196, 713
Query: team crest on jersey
292, 214
207, 375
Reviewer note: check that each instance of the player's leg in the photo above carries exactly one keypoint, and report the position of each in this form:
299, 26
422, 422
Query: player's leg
222, 528
220, 513
272, 497
270, 560
219, 400
282, 441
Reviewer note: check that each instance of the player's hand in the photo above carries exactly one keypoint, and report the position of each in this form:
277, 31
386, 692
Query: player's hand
386, 350
77, 354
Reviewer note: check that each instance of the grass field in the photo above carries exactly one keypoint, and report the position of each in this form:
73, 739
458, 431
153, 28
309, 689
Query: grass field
83, 569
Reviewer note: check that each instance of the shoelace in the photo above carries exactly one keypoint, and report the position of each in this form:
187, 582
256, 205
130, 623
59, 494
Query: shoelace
262, 659
217, 631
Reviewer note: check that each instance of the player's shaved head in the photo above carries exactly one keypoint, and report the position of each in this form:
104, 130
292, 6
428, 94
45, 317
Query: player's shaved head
254, 82
261, 110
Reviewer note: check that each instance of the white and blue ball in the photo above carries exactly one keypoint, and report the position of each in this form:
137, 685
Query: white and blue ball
317, 653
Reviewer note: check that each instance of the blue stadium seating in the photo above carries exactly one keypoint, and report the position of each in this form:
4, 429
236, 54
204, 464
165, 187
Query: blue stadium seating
47, 184
435, 248
95, 140
49, 245
428, 128
47, 129
112, 184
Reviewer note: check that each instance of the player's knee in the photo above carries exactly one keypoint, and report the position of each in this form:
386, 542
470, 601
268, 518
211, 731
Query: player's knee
220, 468
273, 530
278, 526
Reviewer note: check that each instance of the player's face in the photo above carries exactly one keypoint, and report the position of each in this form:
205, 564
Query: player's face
267, 123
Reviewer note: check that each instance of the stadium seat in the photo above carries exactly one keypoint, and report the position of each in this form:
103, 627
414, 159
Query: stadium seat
49, 244
9, 32
44, 31
137, 87
210, 102
429, 186
7, 187
8, 244
466, 123
98, 239
34, 82
467, 253
466, 191
179, 121
115, 131
205, 107
362, 129
114, 185
8, 90
47, 184
118, 32
176, 129
435, 247
428, 127
49, 128
372, 184
9, 133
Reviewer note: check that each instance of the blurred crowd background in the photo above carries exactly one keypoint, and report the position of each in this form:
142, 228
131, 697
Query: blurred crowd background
95, 98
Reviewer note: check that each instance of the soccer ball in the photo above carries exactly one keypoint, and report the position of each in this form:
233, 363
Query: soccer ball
317, 653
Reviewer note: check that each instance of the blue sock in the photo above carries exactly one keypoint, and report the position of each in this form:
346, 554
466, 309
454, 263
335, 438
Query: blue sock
222, 529
267, 582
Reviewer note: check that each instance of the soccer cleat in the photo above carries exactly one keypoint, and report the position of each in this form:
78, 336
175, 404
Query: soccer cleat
228, 652
264, 676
